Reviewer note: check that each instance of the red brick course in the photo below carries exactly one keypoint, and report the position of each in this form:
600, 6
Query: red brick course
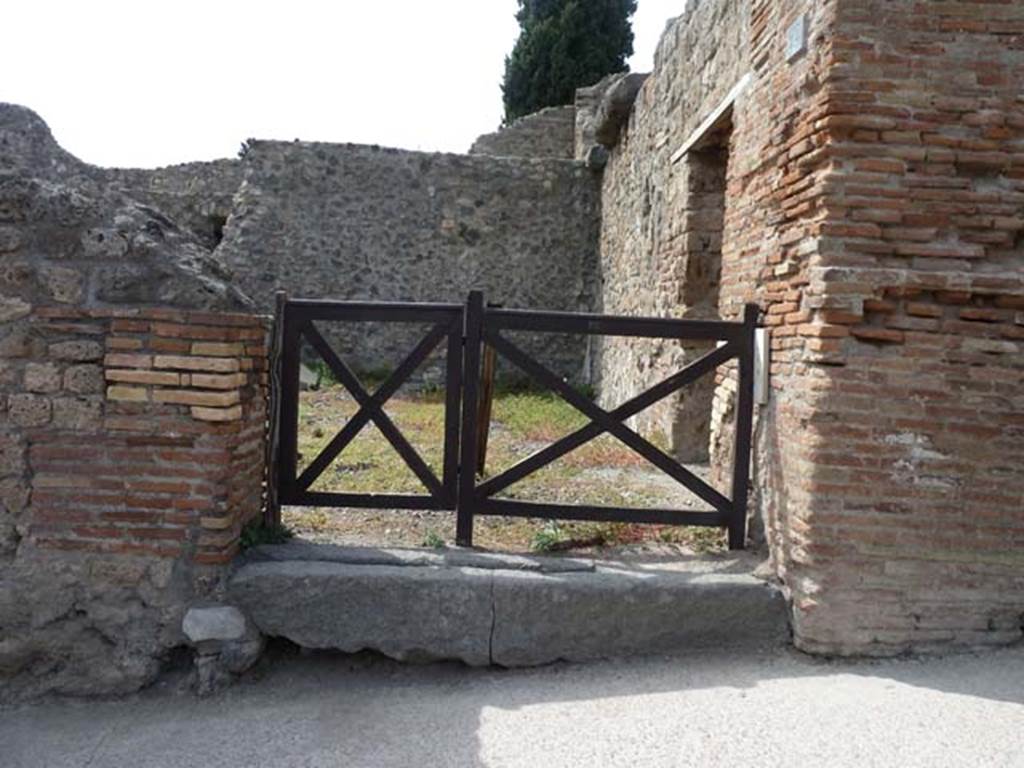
173, 464
913, 528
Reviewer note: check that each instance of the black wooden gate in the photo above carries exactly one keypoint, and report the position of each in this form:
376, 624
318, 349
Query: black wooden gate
467, 330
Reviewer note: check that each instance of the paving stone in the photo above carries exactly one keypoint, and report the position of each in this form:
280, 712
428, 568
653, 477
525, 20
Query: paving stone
222, 622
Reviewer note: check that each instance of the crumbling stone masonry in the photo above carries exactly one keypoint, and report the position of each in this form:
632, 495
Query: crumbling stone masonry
344, 221
551, 132
874, 206
197, 196
132, 431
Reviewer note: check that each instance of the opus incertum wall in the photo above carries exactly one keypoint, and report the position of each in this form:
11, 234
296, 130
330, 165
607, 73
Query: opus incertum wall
550, 132
342, 221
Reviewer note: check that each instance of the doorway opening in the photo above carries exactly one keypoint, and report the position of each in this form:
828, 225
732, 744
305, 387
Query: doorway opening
705, 173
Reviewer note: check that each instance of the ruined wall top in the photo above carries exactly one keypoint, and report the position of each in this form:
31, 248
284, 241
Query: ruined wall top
198, 196
546, 133
70, 236
27, 147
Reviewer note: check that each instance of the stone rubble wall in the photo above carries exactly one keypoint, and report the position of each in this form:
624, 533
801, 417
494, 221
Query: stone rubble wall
587, 101
602, 109
659, 237
873, 209
197, 196
352, 222
367, 223
549, 132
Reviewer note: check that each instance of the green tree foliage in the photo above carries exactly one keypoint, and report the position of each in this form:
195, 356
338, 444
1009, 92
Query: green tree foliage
564, 45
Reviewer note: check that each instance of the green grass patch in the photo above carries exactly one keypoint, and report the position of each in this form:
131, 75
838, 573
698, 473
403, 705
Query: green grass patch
433, 540
256, 533
536, 415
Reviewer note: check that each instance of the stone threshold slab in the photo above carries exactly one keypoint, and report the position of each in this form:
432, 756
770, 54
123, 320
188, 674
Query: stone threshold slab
507, 617
439, 558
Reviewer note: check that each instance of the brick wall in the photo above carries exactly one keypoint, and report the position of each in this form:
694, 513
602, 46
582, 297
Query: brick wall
165, 457
874, 209
915, 536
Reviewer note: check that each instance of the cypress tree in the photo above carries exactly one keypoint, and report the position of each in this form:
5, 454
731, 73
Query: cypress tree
564, 45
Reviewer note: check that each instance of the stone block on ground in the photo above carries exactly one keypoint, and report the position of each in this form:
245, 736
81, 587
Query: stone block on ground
576, 617
222, 622
488, 615
226, 643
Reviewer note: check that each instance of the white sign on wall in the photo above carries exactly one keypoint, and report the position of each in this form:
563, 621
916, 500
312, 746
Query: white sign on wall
762, 365
796, 38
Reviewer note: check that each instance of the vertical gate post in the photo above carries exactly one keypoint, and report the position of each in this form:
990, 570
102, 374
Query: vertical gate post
470, 416
288, 435
486, 406
452, 406
272, 510
744, 428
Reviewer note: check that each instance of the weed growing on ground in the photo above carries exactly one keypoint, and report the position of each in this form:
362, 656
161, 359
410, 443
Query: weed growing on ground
256, 533
548, 537
433, 540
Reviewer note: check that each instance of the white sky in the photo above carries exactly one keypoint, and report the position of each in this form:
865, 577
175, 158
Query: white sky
137, 83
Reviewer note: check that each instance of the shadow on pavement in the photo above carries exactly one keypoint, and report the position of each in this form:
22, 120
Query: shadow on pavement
320, 709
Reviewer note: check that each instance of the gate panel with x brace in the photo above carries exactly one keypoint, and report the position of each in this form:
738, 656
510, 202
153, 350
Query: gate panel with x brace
299, 322
467, 329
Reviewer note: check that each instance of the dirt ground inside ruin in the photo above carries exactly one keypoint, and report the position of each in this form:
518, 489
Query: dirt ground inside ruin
602, 472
